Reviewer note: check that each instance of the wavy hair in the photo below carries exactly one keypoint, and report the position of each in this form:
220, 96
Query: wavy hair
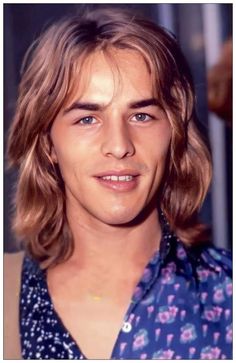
49, 73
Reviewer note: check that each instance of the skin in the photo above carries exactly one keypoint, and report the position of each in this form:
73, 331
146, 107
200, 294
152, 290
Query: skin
114, 231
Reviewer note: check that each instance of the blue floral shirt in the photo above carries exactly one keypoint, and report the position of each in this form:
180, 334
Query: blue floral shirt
180, 309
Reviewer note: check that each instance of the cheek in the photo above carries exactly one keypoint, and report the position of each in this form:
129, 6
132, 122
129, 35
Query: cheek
158, 147
67, 159
158, 155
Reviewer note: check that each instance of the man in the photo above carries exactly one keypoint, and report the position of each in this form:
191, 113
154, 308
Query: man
112, 174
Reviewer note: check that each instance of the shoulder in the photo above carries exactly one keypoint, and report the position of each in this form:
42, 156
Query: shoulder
218, 259
213, 266
207, 256
214, 272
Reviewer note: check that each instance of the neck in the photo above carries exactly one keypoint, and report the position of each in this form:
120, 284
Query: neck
114, 247
107, 259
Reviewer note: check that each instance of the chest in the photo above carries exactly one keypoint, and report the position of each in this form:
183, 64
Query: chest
94, 325
160, 329
92, 309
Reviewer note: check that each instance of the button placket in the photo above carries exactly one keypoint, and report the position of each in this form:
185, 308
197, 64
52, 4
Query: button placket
127, 327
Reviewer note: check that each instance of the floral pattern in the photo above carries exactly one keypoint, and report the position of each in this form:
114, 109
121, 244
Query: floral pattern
188, 333
180, 309
140, 340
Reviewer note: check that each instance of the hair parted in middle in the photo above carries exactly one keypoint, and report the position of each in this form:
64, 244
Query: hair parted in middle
51, 70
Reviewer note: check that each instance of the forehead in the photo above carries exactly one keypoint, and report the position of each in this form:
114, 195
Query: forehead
111, 72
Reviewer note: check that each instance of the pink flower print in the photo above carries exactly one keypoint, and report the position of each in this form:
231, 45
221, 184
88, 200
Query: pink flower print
228, 287
192, 350
229, 334
167, 277
157, 334
188, 333
168, 273
218, 310
210, 352
167, 314
212, 313
218, 268
176, 287
169, 339
140, 339
131, 318
163, 354
173, 310
216, 337
164, 317
150, 310
170, 299
122, 347
203, 274
227, 313
143, 356
218, 295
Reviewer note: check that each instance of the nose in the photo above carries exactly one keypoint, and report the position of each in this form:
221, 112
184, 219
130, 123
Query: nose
117, 141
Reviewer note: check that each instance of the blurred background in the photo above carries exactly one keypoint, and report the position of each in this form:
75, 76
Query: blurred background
204, 32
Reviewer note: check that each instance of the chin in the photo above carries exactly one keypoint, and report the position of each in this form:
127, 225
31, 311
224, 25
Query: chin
120, 217
130, 216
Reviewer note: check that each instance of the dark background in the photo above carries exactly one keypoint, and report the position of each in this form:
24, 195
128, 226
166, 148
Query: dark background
24, 22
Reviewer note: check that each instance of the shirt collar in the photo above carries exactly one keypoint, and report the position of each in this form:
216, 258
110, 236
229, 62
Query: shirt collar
194, 254
171, 249
151, 272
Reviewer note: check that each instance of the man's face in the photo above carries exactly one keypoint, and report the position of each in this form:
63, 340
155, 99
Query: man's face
111, 141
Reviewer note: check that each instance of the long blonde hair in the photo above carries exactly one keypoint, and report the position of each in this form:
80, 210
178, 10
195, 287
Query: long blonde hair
47, 83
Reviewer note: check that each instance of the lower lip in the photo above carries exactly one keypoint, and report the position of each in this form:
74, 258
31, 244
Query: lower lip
120, 186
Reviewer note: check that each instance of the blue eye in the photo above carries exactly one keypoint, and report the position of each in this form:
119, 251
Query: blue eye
86, 120
142, 117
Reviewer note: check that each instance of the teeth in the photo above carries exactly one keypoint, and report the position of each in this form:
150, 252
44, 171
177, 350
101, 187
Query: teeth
123, 178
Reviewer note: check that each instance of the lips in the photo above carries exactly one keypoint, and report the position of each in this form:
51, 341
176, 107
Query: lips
119, 174
123, 180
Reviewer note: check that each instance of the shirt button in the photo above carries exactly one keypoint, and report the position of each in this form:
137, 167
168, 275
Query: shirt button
127, 327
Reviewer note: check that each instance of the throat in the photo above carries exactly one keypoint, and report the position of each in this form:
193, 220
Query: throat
110, 285
99, 284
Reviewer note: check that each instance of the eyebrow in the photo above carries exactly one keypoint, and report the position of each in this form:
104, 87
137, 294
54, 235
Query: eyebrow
145, 103
89, 106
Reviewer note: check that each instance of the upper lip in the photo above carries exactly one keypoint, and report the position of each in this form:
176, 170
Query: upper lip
117, 173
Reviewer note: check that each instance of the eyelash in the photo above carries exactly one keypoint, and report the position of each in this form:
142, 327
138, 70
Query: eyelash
80, 121
143, 114
84, 118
